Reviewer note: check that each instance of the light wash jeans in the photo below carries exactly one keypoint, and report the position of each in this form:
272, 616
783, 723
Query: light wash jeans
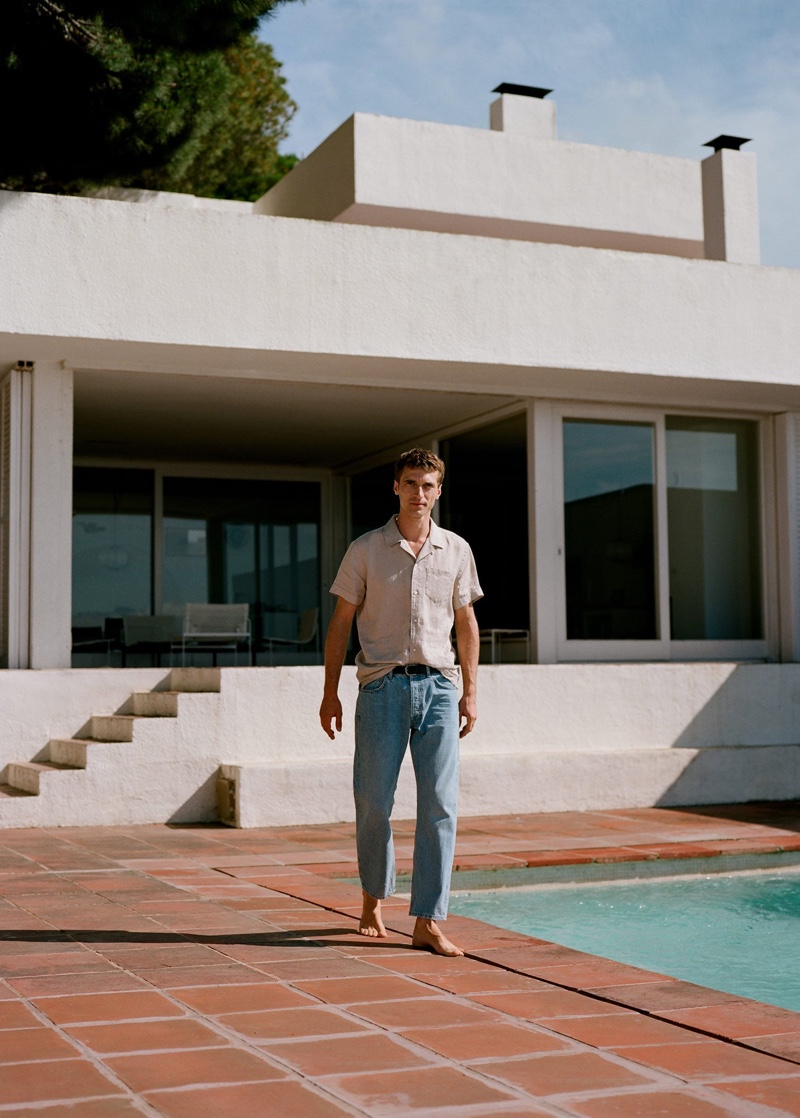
391, 711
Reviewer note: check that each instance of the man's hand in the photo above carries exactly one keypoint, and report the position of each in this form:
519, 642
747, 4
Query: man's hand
469, 643
330, 715
330, 712
467, 713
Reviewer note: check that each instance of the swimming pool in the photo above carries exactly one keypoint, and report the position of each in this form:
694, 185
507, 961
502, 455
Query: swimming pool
736, 932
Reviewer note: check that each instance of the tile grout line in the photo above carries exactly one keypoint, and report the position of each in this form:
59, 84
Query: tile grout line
414, 979
737, 1042
89, 1055
242, 1044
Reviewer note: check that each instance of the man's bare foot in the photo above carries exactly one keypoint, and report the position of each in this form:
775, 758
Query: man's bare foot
429, 937
371, 923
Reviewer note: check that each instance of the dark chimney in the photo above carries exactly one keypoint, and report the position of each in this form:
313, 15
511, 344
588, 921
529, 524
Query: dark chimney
729, 143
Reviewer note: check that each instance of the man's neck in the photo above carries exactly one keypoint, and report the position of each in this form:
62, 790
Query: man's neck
414, 529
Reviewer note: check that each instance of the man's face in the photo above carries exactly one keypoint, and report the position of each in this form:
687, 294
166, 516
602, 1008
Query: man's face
418, 491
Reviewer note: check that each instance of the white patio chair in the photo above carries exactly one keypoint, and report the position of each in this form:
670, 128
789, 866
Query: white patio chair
216, 628
306, 633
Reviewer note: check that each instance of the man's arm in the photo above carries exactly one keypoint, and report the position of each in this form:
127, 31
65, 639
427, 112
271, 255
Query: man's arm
469, 642
330, 712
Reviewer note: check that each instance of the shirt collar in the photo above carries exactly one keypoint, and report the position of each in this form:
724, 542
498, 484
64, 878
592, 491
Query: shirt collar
392, 533
436, 538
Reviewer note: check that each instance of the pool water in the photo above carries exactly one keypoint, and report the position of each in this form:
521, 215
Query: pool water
735, 932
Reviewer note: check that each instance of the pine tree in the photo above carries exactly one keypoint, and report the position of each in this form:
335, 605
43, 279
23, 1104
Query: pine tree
108, 91
237, 156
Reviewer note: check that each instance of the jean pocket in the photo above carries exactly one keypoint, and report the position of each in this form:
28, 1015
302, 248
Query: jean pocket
373, 685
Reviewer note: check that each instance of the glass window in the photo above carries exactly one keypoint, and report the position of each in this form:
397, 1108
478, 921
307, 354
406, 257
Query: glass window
485, 500
112, 531
231, 540
372, 499
609, 520
712, 514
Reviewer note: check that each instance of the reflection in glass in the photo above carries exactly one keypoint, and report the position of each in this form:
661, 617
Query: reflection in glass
229, 540
487, 476
372, 499
609, 522
112, 528
712, 509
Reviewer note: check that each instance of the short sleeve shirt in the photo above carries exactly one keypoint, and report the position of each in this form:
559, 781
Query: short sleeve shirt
406, 605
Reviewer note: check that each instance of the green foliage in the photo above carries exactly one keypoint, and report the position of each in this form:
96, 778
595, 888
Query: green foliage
236, 154
109, 91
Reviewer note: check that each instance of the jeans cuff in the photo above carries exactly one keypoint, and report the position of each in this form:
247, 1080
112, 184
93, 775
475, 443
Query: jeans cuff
375, 896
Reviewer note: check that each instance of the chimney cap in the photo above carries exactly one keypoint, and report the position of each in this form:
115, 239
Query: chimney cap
521, 90
730, 143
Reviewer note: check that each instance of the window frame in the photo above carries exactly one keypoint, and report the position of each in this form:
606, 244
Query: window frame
663, 647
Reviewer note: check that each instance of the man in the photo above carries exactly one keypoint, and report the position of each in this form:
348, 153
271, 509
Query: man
407, 583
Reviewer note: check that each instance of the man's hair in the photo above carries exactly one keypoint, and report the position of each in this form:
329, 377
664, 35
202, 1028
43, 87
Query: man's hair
419, 459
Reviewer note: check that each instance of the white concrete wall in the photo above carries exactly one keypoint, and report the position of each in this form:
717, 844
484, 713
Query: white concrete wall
509, 175
548, 738
37, 706
185, 289
36, 565
51, 517
272, 795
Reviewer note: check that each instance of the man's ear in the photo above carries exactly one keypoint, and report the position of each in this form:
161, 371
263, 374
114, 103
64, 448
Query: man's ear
396, 489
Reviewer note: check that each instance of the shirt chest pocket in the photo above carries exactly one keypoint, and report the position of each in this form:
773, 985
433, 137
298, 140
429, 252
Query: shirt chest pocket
439, 586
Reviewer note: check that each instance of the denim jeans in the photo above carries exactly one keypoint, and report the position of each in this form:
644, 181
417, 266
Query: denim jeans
390, 712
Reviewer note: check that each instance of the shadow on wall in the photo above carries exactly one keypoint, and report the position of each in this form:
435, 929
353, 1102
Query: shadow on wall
755, 705
201, 806
736, 774
743, 744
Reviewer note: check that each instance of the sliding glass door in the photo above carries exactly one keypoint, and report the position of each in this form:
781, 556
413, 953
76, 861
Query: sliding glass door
661, 537
609, 530
145, 545
112, 535
232, 540
713, 528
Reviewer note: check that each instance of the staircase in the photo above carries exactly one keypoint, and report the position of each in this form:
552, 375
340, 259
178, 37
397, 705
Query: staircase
117, 760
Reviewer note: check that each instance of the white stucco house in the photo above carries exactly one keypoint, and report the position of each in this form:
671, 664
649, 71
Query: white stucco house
200, 404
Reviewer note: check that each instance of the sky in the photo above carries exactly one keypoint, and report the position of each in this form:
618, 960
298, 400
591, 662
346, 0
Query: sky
646, 75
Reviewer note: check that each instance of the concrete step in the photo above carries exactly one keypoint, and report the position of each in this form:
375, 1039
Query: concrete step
154, 704
111, 727
27, 775
70, 752
9, 793
195, 679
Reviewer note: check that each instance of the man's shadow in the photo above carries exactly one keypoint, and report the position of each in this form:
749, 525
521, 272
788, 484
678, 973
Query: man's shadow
321, 937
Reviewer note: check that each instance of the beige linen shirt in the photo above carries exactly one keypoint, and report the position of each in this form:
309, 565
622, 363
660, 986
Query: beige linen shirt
405, 606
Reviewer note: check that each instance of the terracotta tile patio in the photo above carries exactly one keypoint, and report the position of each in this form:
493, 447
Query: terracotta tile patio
201, 971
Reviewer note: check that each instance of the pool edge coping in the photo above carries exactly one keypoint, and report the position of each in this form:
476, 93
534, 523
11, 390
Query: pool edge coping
682, 853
